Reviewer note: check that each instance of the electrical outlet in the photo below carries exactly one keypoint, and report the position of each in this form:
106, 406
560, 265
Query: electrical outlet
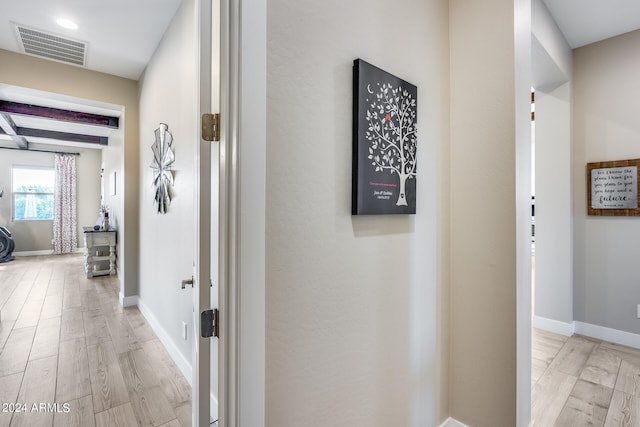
184, 328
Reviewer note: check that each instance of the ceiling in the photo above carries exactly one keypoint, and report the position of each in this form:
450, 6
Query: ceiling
121, 35
588, 21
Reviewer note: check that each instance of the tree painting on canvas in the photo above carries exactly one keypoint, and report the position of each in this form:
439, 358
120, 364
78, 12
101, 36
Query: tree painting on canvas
384, 142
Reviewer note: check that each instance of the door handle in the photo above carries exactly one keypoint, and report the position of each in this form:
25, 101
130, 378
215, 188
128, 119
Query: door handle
186, 282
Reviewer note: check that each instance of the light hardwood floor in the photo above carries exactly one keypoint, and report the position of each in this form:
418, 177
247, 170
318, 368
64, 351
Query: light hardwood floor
65, 340
580, 381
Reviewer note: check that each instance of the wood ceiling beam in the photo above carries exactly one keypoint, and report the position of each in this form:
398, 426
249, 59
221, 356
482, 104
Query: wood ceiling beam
18, 108
63, 136
9, 128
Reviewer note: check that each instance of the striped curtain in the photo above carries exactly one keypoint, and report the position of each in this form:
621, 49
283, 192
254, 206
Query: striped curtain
65, 222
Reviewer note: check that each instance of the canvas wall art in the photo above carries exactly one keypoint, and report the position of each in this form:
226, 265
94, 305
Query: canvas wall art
385, 140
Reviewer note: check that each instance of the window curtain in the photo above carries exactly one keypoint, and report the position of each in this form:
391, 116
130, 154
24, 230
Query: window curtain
65, 222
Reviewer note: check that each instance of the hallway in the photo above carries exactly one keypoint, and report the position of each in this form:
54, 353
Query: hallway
70, 349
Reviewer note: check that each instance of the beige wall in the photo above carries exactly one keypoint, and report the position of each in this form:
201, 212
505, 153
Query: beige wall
33, 73
605, 127
483, 213
356, 307
37, 235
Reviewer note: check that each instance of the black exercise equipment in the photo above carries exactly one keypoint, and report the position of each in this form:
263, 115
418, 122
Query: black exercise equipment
7, 245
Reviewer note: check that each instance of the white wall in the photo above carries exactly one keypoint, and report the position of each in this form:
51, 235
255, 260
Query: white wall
37, 235
547, 34
605, 127
356, 306
554, 243
552, 64
168, 95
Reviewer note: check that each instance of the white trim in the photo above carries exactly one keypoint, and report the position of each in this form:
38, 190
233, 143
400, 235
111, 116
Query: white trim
44, 252
181, 361
555, 326
587, 329
608, 334
452, 422
129, 301
213, 406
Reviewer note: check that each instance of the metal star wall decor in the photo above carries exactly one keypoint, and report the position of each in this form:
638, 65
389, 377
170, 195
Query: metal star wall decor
163, 158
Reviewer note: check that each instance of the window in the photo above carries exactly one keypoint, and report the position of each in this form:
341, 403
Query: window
32, 193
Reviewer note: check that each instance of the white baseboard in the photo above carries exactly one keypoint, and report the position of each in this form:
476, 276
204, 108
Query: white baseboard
180, 361
129, 301
451, 422
44, 252
34, 253
555, 326
608, 334
587, 329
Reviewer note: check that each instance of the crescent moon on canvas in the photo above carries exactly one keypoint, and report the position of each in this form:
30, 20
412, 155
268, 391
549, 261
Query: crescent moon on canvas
369, 88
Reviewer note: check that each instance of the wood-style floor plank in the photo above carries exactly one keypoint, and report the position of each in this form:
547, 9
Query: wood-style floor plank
183, 413
537, 370
14, 355
9, 388
11, 309
56, 287
122, 335
549, 396
29, 314
573, 355
173, 383
623, 352
71, 297
120, 416
629, 378
601, 368
139, 324
73, 371
80, 414
172, 423
47, 339
624, 410
6, 326
147, 398
72, 326
52, 306
586, 406
95, 327
546, 345
107, 383
38, 389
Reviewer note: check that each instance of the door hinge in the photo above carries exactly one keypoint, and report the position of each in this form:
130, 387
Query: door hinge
211, 127
210, 323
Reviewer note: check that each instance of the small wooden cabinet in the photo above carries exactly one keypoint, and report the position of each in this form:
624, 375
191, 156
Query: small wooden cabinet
100, 252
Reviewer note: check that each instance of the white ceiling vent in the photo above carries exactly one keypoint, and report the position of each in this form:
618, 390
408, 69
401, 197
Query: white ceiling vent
51, 46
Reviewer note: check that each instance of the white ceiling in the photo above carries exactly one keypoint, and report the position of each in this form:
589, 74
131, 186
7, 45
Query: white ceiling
121, 34
587, 21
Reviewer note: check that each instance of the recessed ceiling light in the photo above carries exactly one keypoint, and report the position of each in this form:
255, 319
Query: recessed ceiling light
66, 23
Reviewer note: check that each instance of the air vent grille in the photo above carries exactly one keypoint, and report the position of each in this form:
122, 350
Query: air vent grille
52, 46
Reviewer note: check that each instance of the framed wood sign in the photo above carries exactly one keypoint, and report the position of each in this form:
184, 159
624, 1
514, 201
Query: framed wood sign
612, 188
385, 139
